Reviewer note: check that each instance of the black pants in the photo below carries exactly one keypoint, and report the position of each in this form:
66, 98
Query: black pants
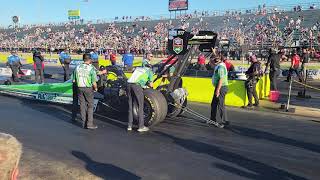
113, 63
251, 91
15, 71
135, 92
86, 96
218, 110
294, 70
273, 79
66, 69
39, 76
96, 65
75, 102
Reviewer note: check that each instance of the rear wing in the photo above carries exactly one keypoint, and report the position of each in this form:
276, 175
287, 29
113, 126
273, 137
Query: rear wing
179, 40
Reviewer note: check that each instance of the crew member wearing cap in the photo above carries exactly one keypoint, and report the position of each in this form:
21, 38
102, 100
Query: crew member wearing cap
14, 62
147, 59
140, 79
102, 79
85, 77
95, 58
253, 75
220, 82
65, 60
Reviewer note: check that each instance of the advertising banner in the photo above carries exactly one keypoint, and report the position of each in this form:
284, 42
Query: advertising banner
178, 5
74, 14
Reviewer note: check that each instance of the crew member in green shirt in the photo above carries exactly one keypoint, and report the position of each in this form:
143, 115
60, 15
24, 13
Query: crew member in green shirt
85, 77
220, 82
146, 60
140, 79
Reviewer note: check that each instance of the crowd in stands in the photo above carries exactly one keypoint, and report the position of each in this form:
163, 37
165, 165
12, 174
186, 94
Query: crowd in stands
258, 28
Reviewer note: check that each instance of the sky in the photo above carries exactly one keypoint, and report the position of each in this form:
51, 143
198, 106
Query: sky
47, 11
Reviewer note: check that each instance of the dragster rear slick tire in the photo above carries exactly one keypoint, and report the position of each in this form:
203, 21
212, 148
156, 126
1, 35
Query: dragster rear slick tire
155, 107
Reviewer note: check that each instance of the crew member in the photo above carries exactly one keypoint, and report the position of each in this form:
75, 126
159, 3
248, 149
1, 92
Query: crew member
253, 75
274, 63
14, 62
220, 82
140, 79
127, 60
102, 79
305, 60
295, 63
95, 58
65, 60
85, 77
147, 59
229, 65
113, 58
202, 62
38, 66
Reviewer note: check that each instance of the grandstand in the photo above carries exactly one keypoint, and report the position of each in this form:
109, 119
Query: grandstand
241, 28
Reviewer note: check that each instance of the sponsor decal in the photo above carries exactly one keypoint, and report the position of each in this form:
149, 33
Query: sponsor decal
177, 45
51, 61
76, 62
241, 68
46, 96
312, 74
5, 72
52, 97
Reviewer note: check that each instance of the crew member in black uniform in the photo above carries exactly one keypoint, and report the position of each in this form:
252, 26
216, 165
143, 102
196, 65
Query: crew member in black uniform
102, 79
274, 63
253, 75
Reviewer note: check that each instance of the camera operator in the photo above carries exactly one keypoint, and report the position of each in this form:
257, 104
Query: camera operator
253, 75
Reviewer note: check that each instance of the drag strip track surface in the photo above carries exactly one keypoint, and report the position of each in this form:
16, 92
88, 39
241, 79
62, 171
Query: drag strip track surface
256, 146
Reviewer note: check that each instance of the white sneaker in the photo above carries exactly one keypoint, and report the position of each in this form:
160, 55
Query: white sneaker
144, 129
129, 128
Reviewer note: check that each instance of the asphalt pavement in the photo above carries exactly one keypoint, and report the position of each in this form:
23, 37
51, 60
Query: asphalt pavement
257, 145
